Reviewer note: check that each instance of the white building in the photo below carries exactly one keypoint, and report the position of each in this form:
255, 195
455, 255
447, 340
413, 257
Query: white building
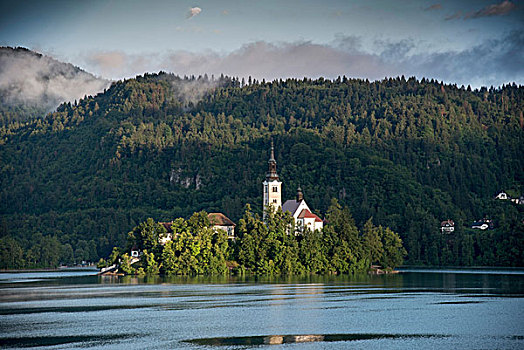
303, 216
222, 222
447, 226
502, 196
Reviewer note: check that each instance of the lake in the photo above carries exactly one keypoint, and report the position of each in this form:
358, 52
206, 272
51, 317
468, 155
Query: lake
415, 309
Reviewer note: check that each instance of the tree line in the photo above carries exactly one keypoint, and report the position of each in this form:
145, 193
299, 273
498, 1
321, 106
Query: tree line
265, 248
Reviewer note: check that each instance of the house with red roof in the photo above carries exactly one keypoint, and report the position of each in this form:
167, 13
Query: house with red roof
447, 226
303, 216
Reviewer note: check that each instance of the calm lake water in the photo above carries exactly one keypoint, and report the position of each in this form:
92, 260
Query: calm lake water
416, 309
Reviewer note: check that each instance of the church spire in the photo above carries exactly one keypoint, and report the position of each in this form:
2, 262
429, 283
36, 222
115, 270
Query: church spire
272, 185
300, 195
272, 171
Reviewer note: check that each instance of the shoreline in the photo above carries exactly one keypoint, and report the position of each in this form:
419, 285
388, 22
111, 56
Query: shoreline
56, 269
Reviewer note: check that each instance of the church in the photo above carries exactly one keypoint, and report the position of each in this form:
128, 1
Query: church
297, 207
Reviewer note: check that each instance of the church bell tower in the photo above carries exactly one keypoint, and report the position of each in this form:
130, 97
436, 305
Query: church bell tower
272, 185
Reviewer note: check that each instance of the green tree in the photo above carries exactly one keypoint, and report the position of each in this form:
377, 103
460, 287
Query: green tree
11, 254
146, 236
151, 265
372, 241
394, 252
125, 265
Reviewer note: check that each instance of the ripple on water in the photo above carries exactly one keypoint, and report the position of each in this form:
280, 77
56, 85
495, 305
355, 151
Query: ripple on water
86, 340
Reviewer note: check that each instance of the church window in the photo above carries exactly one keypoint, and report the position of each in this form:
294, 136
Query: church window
275, 189
274, 200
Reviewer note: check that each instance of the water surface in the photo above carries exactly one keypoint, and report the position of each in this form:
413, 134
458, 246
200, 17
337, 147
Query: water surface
416, 309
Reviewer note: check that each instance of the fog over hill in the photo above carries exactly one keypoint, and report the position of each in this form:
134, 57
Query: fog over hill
29, 79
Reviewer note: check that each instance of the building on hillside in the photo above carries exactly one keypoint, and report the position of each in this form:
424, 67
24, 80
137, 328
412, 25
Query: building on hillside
272, 197
502, 196
447, 226
272, 186
222, 222
303, 216
169, 233
483, 224
135, 252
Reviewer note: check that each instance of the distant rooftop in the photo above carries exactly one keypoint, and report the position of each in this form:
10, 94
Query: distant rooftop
219, 219
291, 206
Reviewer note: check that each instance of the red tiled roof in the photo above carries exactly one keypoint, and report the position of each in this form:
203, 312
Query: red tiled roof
447, 223
307, 214
219, 219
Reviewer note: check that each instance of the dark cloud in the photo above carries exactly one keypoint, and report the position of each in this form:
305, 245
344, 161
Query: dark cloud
493, 62
493, 10
500, 9
433, 7
394, 51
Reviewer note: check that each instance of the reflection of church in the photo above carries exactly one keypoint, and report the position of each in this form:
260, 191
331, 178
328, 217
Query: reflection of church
298, 207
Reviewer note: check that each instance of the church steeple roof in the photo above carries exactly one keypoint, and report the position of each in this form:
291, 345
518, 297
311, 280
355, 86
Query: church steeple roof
272, 171
300, 195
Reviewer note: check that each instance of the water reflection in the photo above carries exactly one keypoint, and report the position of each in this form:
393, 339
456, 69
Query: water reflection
303, 338
408, 310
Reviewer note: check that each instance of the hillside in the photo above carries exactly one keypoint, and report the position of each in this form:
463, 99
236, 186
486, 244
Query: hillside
407, 153
32, 84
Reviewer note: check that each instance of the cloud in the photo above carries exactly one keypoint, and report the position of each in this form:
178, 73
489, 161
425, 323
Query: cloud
493, 10
500, 9
117, 64
193, 11
192, 90
456, 15
433, 7
109, 60
493, 62
269, 61
33, 79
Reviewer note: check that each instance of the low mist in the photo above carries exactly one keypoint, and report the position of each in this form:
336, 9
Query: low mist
31, 79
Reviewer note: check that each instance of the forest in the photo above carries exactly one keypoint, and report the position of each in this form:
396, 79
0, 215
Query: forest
270, 247
407, 153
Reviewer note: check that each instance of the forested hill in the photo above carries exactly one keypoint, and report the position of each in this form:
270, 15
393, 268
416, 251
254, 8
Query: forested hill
407, 153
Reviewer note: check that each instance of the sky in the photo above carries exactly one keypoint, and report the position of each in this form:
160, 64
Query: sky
477, 43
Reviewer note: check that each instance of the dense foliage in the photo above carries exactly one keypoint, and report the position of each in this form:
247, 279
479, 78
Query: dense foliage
407, 153
269, 248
